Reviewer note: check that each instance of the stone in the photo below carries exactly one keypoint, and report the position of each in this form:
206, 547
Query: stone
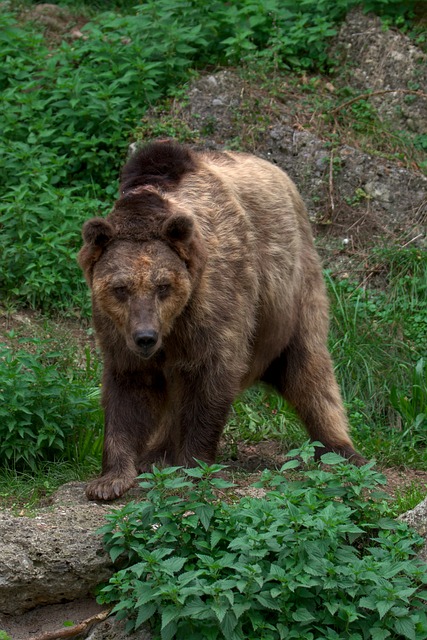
417, 519
55, 556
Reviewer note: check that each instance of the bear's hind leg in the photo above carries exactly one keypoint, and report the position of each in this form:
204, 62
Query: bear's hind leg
304, 375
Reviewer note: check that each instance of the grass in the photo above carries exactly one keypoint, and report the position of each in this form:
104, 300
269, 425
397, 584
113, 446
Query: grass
25, 490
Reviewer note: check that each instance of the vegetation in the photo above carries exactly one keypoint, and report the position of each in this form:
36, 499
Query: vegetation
49, 408
315, 558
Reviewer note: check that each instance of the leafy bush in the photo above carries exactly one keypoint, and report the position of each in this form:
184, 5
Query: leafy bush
315, 558
46, 413
41, 232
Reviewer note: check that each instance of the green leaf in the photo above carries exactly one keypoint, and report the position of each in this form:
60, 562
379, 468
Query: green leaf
405, 627
115, 552
216, 536
267, 601
383, 606
144, 614
169, 631
228, 625
303, 615
173, 565
220, 609
290, 464
169, 614
205, 514
332, 458
379, 634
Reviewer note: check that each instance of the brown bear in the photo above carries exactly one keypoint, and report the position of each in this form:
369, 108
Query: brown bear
204, 280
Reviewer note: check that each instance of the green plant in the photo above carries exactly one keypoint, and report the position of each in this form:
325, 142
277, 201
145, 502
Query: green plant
4, 635
377, 336
412, 406
46, 412
316, 557
260, 415
409, 497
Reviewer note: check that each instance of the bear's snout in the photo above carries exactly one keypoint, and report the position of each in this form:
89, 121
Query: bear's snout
146, 340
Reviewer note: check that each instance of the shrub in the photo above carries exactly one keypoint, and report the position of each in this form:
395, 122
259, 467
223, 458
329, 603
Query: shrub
46, 414
315, 558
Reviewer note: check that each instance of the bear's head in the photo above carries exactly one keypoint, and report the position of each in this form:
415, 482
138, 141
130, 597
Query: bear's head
142, 264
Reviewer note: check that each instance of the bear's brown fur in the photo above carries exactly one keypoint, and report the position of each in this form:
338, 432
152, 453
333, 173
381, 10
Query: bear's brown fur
204, 279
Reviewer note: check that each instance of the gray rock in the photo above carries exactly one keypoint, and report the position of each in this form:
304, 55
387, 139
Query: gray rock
417, 519
54, 556
113, 630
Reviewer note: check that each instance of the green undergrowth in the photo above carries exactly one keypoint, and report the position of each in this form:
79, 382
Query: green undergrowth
378, 341
315, 558
49, 406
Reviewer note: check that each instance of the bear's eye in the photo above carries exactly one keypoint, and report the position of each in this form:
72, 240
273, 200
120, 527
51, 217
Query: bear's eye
163, 290
121, 293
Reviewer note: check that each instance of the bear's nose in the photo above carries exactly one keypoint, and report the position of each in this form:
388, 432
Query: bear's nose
145, 339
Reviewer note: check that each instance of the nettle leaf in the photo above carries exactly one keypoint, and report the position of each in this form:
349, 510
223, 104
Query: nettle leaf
145, 593
267, 601
220, 609
115, 552
144, 614
169, 631
228, 625
332, 458
290, 464
216, 536
205, 514
405, 627
379, 634
383, 606
169, 614
173, 565
303, 615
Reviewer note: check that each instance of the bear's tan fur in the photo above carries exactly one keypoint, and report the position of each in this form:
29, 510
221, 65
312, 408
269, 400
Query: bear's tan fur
204, 280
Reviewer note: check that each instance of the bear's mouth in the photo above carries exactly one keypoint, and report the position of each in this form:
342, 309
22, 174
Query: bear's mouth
146, 352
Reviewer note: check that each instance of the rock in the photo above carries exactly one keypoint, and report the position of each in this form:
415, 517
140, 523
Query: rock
417, 519
111, 629
55, 556
381, 59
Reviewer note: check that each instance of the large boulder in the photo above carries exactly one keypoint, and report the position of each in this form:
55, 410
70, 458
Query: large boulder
54, 556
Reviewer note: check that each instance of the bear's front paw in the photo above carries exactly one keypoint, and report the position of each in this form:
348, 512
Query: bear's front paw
109, 487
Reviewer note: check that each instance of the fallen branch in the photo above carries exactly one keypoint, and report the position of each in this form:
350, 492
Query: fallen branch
69, 632
364, 96
331, 184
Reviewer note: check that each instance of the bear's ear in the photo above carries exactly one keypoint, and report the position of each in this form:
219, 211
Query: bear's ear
97, 233
179, 229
